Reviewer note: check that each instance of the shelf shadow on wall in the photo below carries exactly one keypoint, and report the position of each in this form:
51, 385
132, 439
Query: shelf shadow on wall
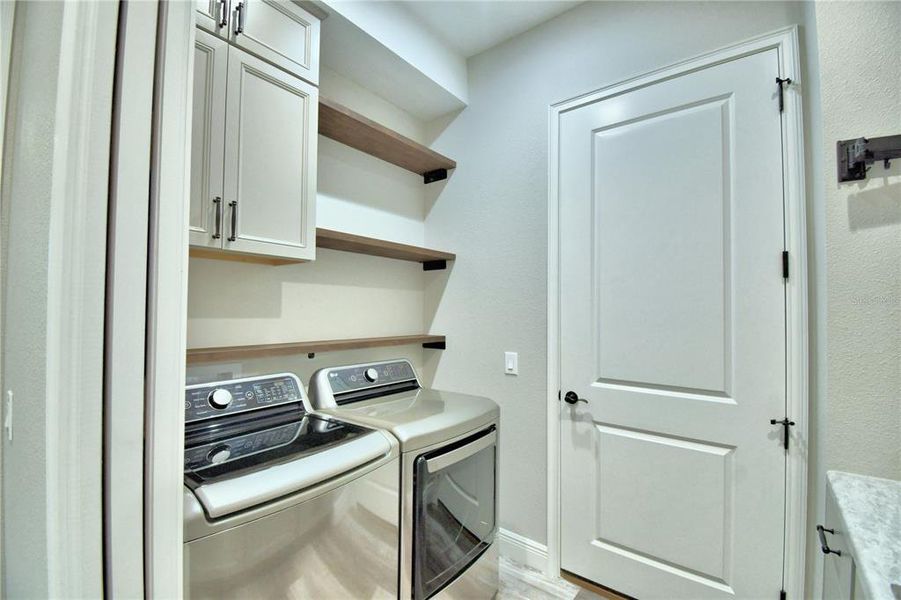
875, 206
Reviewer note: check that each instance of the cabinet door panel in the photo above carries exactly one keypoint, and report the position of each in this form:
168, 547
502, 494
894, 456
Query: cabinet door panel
280, 32
270, 178
207, 137
838, 570
208, 14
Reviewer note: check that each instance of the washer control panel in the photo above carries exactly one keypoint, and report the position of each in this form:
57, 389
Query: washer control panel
214, 453
209, 400
360, 377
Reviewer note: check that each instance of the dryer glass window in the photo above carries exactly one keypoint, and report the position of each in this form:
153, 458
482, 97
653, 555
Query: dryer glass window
454, 510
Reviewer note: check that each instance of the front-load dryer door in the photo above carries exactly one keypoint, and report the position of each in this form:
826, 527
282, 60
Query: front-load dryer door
454, 510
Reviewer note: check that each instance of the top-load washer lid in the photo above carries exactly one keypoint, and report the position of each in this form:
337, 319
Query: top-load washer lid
387, 395
248, 466
246, 458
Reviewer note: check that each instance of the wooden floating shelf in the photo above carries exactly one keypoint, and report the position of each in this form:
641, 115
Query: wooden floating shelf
347, 242
431, 260
226, 353
353, 129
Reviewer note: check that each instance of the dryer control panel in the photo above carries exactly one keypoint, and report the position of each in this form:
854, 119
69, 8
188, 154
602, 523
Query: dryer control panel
352, 383
209, 400
346, 379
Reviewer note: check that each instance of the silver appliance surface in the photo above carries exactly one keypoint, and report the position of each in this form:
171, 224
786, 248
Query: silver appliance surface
448, 472
388, 395
272, 488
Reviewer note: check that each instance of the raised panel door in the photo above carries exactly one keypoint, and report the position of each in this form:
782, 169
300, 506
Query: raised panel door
672, 308
280, 32
270, 160
208, 140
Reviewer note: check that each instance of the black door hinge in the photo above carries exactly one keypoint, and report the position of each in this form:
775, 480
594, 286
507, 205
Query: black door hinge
785, 431
558, 395
782, 595
785, 264
780, 83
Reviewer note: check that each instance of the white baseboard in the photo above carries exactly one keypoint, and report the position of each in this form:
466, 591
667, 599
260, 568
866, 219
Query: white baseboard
522, 550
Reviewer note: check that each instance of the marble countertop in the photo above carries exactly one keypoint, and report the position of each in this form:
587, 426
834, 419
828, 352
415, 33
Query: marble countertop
871, 509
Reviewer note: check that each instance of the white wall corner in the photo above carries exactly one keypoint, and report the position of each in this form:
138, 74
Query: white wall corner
399, 31
523, 550
384, 48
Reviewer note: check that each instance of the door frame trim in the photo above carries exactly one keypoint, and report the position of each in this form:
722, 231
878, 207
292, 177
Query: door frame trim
785, 41
167, 301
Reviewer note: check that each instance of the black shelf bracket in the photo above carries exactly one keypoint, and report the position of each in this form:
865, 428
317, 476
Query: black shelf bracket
434, 265
435, 175
435, 345
855, 156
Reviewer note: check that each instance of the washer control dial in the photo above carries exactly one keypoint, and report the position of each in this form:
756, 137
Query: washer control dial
371, 375
220, 398
219, 454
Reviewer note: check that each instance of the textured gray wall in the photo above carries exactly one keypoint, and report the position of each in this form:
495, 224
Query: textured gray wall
493, 209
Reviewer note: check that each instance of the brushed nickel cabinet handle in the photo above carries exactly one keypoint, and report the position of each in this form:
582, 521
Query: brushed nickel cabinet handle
223, 13
217, 232
234, 206
239, 22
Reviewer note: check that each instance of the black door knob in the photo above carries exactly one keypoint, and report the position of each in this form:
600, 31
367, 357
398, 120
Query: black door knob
572, 398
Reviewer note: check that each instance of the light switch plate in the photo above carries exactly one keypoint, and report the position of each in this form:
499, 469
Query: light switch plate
511, 363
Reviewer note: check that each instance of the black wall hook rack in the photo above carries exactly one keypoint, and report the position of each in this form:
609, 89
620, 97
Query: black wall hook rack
855, 156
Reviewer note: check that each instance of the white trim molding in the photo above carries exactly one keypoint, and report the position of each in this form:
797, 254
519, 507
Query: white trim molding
521, 549
167, 301
785, 41
126, 300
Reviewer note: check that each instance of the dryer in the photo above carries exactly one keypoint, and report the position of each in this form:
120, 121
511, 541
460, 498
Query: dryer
449, 468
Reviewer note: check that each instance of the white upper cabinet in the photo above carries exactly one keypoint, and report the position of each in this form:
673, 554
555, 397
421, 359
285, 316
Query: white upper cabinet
208, 140
270, 160
254, 128
277, 31
280, 32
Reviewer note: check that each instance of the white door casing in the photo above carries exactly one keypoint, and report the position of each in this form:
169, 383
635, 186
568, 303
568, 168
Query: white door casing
682, 286
270, 160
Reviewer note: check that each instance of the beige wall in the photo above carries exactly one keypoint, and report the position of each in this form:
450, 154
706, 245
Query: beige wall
340, 295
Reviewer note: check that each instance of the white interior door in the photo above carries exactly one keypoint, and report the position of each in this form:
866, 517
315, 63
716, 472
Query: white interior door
673, 330
270, 160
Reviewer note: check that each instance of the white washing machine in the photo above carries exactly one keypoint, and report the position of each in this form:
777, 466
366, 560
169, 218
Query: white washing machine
449, 473
282, 503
